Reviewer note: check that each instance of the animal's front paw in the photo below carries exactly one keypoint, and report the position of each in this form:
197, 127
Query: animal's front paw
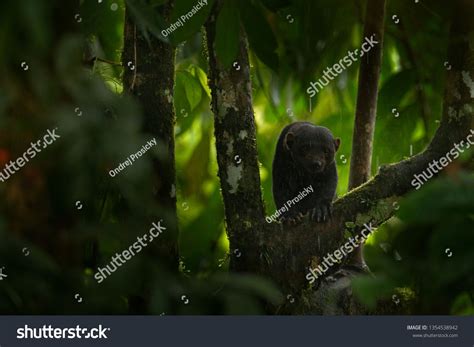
293, 219
321, 213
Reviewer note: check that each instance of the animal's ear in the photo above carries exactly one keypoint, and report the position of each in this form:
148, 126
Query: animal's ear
288, 141
337, 143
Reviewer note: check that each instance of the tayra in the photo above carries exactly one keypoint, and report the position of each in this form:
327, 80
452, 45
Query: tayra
304, 157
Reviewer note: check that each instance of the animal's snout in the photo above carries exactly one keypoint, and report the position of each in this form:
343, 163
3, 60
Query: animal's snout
317, 165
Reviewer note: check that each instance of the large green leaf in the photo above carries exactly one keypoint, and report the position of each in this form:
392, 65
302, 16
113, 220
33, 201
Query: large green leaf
197, 72
192, 88
187, 96
227, 33
260, 35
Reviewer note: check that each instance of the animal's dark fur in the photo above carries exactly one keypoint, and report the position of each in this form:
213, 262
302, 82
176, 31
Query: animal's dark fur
304, 157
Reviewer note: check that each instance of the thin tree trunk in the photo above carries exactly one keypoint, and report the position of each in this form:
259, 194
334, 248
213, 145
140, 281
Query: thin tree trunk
236, 150
149, 77
366, 108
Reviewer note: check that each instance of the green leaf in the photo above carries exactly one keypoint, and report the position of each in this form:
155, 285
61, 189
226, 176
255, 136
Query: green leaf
260, 35
188, 16
181, 103
192, 88
196, 71
227, 34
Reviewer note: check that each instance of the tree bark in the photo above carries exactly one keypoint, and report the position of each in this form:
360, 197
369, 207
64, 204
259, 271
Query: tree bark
236, 146
366, 107
149, 77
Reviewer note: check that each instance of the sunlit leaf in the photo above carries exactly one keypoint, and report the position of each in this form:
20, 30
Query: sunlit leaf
201, 75
192, 88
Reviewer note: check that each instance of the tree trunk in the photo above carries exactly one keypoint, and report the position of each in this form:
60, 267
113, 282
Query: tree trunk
149, 77
366, 108
236, 150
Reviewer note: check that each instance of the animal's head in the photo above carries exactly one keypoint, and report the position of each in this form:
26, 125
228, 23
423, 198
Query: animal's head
312, 147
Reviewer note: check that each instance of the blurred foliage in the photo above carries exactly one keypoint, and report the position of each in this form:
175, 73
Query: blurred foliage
427, 248
73, 50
